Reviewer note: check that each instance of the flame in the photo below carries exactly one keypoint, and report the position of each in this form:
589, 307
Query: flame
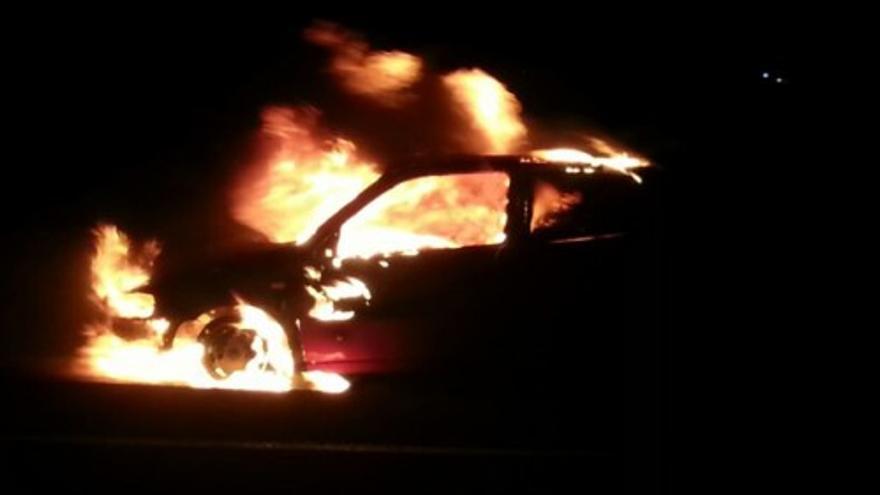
613, 158
494, 111
327, 295
325, 381
158, 326
445, 211
548, 203
382, 76
307, 180
107, 355
429, 212
308, 177
117, 272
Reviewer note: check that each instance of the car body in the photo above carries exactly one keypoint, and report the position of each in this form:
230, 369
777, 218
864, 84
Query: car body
558, 299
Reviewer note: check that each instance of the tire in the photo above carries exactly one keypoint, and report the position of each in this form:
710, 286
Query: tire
231, 346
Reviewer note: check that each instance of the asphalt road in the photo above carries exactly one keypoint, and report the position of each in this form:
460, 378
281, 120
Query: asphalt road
381, 434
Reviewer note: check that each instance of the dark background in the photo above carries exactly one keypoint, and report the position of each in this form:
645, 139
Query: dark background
143, 118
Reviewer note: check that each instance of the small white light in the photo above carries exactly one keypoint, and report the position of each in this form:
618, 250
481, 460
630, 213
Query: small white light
779, 80
766, 75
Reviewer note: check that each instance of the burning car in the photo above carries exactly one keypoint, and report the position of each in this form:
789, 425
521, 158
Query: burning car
471, 264
461, 263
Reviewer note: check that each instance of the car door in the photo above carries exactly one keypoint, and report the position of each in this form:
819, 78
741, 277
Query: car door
428, 250
583, 253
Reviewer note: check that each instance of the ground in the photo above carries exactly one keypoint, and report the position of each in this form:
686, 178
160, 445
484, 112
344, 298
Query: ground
387, 432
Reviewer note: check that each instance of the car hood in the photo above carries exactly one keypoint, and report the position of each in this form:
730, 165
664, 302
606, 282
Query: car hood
248, 264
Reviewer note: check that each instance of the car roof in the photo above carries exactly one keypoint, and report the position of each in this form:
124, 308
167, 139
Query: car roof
417, 166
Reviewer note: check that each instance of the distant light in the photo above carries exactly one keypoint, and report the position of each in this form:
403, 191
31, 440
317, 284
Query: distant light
766, 75
779, 80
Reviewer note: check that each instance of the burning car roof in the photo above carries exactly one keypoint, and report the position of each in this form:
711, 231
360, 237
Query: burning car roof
519, 163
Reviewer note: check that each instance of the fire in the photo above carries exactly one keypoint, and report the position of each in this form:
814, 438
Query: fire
549, 203
127, 345
612, 158
430, 212
427, 212
308, 179
142, 360
117, 271
331, 383
382, 76
494, 111
308, 176
326, 297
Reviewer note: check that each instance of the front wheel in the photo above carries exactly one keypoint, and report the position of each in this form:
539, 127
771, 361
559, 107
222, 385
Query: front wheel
245, 340
230, 348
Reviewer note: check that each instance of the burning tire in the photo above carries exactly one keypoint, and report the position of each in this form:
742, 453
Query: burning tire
244, 340
230, 348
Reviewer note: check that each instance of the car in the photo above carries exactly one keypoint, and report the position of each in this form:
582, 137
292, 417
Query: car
551, 295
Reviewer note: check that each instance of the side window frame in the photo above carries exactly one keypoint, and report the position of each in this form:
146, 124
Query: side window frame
553, 179
514, 226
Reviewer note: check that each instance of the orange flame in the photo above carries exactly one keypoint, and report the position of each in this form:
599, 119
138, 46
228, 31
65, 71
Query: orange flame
548, 203
383, 76
141, 360
612, 158
309, 177
494, 112
426, 212
306, 181
430, 212
117, 271
327, 295
325, 381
